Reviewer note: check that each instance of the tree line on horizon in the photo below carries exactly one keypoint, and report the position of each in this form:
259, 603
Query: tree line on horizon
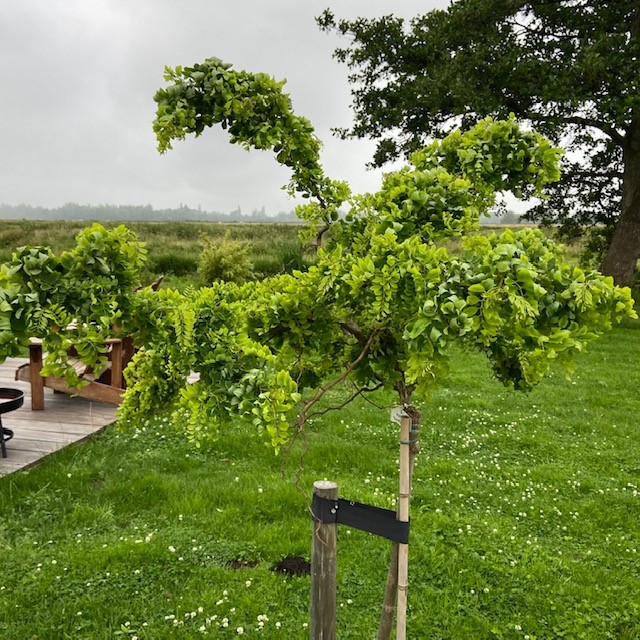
146, 213
137, 213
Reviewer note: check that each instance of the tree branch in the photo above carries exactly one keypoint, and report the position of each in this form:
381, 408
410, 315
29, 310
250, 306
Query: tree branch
352, 328
304, 414
612, 132
359, 391
319, 235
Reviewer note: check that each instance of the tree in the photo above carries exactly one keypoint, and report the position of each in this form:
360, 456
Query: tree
384, 303
570, 67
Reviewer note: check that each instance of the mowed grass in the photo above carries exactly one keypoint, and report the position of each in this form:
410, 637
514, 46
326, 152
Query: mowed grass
525, 519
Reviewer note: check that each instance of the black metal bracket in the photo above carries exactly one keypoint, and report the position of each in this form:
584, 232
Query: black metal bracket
380, 522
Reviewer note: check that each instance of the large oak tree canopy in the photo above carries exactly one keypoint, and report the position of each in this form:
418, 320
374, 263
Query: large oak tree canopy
570, 67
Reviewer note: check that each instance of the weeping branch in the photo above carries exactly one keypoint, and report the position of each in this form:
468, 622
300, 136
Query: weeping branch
321, 391
359, 391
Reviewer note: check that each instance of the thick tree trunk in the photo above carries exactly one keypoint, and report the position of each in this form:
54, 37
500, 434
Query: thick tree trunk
623, 252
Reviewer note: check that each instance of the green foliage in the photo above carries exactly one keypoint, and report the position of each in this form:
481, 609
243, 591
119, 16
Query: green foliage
498, 154
73, 299
227, 260
529, 309
199, 331
384, 302
419, 80
257, 114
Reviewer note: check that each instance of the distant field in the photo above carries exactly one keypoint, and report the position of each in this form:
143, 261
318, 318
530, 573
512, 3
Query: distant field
174, 247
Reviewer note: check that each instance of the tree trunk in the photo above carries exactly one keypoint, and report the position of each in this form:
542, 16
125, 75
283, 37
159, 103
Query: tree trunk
391, 588
623, 252
390, 591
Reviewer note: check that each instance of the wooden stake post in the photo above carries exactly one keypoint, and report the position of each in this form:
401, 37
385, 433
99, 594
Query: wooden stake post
328, 511
403, 516
323, 570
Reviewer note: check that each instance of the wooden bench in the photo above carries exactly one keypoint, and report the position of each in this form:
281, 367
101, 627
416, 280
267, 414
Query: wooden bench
107, 387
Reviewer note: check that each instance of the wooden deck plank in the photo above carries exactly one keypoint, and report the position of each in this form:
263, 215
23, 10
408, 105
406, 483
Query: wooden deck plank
65, 420
45, 431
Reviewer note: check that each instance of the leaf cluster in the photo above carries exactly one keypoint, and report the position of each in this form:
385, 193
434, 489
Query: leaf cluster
227, 260
74, 299
257, 114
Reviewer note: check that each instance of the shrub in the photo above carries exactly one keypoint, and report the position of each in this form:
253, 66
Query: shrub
227, 260
174, 263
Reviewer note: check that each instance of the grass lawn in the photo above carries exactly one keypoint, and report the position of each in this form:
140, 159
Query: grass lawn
525, 519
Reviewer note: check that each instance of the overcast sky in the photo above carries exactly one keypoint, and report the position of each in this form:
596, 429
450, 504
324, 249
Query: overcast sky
78, 79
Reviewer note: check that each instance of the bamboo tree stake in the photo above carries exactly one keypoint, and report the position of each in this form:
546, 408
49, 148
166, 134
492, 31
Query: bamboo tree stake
403, 516
387, 617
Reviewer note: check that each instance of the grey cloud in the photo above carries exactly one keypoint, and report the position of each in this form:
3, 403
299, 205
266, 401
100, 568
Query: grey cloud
79, 78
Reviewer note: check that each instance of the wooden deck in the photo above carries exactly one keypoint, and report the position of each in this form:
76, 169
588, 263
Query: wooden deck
64, 420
